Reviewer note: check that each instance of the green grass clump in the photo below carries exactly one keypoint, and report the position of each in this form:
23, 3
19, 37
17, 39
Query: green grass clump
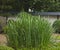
28, 31
56, 26
5, 48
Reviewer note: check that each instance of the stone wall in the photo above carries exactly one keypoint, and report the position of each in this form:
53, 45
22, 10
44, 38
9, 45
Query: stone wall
2, 21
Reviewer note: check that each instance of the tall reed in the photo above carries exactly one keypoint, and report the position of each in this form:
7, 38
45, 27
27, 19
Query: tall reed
28, 31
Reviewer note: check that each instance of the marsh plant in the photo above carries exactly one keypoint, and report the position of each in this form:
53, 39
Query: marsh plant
28, 31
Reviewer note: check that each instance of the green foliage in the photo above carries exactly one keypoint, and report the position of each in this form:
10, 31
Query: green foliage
37, 5
5, 48
47, 5
56, 26
28, 31
15, 5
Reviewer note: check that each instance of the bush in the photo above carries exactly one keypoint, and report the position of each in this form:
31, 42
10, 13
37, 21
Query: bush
56, 26
28, 31
5, 48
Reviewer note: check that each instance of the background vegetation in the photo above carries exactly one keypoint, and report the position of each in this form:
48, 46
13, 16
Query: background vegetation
36, 5
56, 26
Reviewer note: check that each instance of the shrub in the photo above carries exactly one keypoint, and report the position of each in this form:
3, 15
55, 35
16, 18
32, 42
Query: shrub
28, 31
56, 26
5, 48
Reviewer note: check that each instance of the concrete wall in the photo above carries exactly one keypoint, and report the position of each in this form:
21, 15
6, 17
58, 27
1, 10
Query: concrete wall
50, 19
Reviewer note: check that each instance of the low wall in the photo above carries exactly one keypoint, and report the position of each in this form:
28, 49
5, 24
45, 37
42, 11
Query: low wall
51, 19
2, 21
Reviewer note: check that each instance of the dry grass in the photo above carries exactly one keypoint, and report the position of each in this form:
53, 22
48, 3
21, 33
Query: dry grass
3, 40
56, 36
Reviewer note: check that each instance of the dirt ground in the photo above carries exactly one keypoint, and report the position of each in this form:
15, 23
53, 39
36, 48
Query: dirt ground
3, 39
